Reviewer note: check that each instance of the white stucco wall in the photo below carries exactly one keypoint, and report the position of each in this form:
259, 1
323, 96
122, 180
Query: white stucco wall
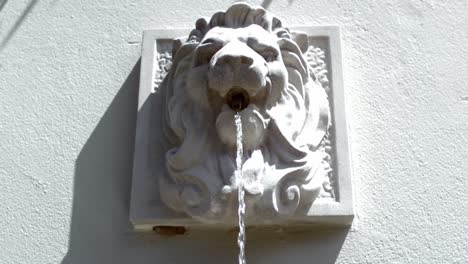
68, 94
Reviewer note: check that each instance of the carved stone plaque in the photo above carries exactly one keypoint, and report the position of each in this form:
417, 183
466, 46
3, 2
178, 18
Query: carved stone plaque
285, 82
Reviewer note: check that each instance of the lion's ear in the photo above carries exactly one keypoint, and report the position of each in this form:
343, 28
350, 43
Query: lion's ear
301, 39
176, 44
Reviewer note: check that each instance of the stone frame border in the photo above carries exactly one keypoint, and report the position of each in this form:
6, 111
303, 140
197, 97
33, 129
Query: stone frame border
146, 211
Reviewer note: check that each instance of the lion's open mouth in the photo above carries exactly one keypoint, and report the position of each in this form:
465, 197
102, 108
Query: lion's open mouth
237, 99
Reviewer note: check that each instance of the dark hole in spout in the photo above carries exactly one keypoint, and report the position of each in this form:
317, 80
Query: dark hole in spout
237, 99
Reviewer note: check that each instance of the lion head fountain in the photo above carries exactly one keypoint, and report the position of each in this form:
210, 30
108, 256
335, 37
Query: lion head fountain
242, 60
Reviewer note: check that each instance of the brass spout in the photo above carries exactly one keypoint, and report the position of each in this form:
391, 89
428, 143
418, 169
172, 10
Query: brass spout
237, 99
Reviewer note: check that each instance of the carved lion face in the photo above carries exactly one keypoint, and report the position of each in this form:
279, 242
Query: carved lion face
244, 61
238, 70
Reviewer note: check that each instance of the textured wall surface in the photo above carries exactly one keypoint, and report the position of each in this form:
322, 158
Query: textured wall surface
68, 94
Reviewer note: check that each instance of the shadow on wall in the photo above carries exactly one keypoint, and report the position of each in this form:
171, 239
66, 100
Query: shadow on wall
18, 22
100, 229
2, 4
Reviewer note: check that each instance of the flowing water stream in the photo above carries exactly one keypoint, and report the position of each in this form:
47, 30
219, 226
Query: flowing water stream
241, 191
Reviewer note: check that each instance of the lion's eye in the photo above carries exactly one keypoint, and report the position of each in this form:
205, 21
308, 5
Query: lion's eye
269, 54
204, 56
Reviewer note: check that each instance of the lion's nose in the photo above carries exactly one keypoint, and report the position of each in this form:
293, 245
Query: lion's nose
235, 60
235, 55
